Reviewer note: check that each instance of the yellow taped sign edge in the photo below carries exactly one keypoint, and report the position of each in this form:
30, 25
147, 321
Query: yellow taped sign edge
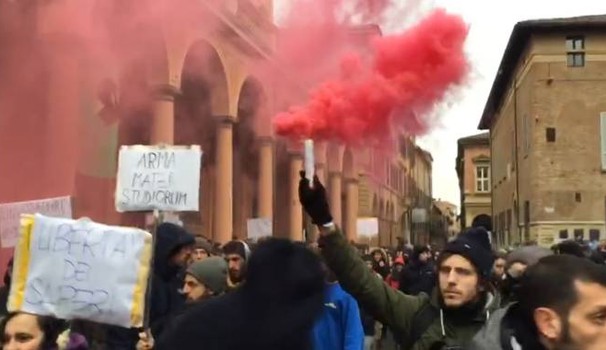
21, 263
140, 290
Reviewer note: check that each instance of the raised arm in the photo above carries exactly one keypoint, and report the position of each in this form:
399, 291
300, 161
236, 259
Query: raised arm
387, 305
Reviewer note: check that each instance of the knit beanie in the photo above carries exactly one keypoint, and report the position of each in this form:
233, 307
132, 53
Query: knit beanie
237, 247
528, 255
474, 245
211, 272
202, 243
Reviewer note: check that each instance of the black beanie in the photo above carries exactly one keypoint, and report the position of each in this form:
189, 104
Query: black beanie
474, 245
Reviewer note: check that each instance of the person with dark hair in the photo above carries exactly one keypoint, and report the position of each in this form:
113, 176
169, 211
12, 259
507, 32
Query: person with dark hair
24, 331
274, 310
419, 275
204, 279
498, 271
570, 247
562, 305
484, 221
515, 264
449, 318
380, 262
5, 289
172, 253
236, 254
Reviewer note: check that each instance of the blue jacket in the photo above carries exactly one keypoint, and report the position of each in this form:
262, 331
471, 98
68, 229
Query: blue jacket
339, 327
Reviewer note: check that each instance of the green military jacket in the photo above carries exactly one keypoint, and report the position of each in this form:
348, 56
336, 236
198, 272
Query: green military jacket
393, 308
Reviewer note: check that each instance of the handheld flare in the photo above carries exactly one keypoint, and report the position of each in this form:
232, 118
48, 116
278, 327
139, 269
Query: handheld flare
309, 160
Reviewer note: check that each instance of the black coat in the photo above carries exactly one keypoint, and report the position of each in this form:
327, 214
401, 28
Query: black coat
166, 300
274, 309
417, 278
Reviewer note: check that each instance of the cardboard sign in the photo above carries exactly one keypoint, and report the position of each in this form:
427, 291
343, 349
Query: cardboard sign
368, 227
10, 215
259, 228
81, 270
163, 178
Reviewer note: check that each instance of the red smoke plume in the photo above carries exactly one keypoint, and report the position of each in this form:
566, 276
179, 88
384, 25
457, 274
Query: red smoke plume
406, 75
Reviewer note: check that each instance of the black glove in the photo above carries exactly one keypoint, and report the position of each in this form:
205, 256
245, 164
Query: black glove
314, 200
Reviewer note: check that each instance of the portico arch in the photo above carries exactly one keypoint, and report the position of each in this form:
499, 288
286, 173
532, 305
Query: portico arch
199, 118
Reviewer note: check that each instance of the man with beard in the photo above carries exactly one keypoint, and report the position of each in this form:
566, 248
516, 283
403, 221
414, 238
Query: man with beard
562, 306
448, 319
204, 279
274, 310
236, 254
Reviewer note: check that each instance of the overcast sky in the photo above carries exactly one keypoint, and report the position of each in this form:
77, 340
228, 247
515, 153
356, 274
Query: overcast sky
490, 23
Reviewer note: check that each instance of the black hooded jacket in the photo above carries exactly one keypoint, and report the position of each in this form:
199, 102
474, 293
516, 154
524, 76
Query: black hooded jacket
5, 290
167, 280
417, 277
274, 309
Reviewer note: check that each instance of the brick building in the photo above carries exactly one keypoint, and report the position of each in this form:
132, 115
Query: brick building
443, 223
184, 84
547, 125
473, 171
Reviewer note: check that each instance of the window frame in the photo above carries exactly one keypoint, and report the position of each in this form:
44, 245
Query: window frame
482, 181
575, 53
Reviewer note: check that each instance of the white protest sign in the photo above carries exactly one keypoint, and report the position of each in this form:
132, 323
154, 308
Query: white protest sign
81, 270
10, 215
368, 227
259, 228
163, 178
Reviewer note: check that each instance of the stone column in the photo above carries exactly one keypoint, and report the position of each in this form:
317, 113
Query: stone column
266, 178
295, 229
334, 196
350, 222
163, 118
223, 211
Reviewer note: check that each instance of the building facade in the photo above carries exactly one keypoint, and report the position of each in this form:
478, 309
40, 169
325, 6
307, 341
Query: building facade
473, 170
443, 223
420, 193
184, 84
547, 125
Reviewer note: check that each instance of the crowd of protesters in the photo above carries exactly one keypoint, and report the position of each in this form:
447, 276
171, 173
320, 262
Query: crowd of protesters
278, 294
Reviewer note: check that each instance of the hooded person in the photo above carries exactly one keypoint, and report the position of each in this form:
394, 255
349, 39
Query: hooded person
173, 247
380, 262
396, 273
516, 263
275, 309
236, 254
449, 318
419, 275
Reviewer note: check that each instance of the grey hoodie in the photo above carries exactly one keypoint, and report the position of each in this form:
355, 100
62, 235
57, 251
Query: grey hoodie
489, 337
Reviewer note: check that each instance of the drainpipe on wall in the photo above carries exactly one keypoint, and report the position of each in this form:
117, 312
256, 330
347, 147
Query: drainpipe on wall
516, 208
